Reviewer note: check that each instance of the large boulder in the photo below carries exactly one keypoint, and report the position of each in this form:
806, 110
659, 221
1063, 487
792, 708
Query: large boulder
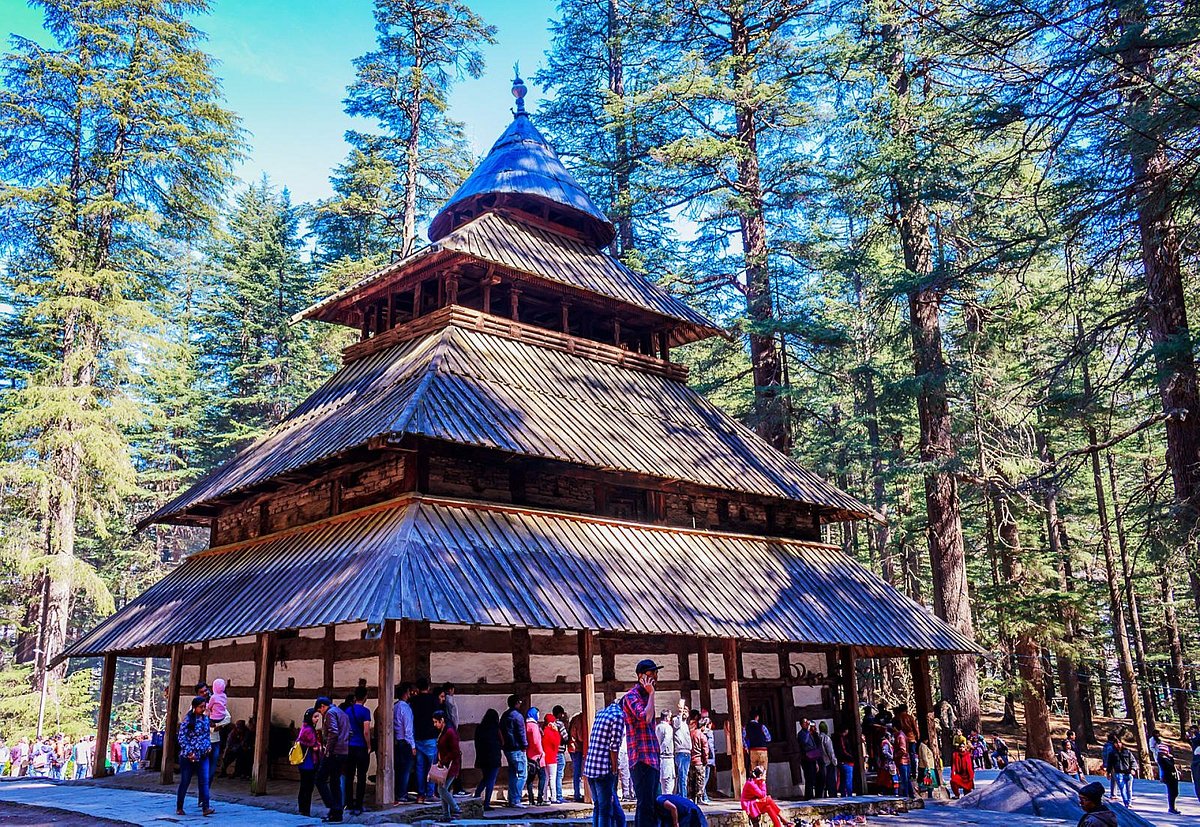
1033, 787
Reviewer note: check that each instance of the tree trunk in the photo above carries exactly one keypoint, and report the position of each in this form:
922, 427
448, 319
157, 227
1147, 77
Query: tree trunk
1164, 568
770, 412
623, 170
412, 145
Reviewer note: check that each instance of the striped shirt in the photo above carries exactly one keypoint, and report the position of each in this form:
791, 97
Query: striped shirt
607, 732
639, 733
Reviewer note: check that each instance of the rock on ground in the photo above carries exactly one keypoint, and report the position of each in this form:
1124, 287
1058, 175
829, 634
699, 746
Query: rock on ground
1033, 787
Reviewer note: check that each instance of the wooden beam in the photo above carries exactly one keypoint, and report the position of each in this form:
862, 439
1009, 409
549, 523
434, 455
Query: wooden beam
265, 672
417, 299
587, 690
328, 657
566, 317
733, 688
918, 664
406, 645
108, 677
522, 648
385, 742
608, 668
853, 719
705, 678
167, 771
204, 654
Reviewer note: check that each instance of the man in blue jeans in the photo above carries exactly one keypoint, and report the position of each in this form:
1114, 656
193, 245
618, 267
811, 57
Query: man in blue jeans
600, 766
425, 736
512, 735
405, 751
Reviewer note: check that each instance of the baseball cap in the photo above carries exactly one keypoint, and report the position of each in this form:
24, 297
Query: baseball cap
647, 666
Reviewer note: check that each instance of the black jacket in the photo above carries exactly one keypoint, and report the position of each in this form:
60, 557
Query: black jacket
512, 729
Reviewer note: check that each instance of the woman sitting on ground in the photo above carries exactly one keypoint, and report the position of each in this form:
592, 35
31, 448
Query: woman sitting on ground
755, 800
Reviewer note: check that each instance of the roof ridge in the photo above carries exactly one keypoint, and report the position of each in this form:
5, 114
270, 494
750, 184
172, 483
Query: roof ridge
432, 368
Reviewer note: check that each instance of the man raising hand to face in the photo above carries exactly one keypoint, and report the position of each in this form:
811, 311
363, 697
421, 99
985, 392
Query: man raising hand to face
644, 758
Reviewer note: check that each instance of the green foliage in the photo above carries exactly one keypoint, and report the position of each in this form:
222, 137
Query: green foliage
70, 705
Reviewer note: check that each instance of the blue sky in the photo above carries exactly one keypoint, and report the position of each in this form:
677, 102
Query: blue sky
285, 65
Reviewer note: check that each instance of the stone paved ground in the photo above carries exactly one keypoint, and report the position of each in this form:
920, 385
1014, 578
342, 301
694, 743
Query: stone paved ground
1149, 801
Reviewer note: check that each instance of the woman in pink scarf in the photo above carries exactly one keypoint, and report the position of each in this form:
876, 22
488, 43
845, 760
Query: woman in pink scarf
755, 800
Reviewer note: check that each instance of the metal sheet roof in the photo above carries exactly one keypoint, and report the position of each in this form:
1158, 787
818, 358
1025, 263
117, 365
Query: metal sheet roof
476, 389
522, 163
470, 563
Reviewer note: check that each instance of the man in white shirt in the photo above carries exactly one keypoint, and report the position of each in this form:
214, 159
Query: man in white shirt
666, 746
406, 750
682, 735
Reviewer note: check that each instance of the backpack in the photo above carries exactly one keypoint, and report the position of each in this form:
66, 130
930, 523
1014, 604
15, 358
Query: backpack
297, 755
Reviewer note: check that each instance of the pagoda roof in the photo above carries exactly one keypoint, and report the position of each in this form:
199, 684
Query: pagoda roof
473, 388
523, 173
450, 561
541, 253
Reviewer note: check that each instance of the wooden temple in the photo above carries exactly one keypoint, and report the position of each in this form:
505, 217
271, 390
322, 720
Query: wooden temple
509, 485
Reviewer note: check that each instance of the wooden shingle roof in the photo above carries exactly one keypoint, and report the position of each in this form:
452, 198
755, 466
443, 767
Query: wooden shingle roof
472, 388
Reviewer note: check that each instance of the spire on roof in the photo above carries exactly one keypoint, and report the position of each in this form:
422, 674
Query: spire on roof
522, 175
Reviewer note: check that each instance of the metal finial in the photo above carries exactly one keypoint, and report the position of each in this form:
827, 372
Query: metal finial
519, 89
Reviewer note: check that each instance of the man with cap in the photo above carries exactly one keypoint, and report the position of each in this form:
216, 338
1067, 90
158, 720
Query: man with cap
644, 758
1095, 814
335, 734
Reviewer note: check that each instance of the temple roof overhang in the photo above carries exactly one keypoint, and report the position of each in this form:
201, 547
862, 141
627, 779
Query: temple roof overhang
465, 384
457, 562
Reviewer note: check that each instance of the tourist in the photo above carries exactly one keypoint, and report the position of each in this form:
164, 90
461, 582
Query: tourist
554, 746
828, 760
1095, 814
810, 754
677, 811
5, 757
1105, 754
948, 722
1120, 768
999, 752
710, 769
871, 735
978, 750
359, 756
903, 761
405, 750
194, 749
1068, 759
449, 758
19, 758
1152, 742
311, 747
237, 742
577, 748
512, 731
218, 704
1168, 773
846, 749
1193, 742
962, 769
335, 741
665, 734
682, 731
535, 757
644, 757
1072, 743
906, 722
424, 703
755, 800
623, 769
889, 772
449, 706
600, 766
757, 737
697, 757
487, 756
929, 769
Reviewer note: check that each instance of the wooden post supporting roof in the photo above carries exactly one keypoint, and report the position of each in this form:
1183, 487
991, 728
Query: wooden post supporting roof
733, 688
587, 691
853, 719
705, 677
385, 739
108, 676
262, 713
918, 664
167, 771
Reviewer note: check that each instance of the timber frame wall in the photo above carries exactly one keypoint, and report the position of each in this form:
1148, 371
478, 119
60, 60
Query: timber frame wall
275, 677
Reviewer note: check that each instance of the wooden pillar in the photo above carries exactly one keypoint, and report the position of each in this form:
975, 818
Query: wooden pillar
514, 303
203, 676
391, 310
417, 299
587, 690
385, 739
328, 657
733, 688
108, 676
265, 672
616, 332
664, 347
167, 771
407, 648
608, 667
853, 719
566, 317
918, 664
452, 289
705, 678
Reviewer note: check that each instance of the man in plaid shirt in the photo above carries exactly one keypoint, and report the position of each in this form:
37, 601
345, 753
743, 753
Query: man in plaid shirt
644, 759
600, 766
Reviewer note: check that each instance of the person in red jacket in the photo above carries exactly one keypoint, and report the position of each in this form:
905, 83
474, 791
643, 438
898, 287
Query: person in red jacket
962, 769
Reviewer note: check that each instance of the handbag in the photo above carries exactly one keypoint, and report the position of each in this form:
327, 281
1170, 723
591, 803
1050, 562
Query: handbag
297, 755
438, 774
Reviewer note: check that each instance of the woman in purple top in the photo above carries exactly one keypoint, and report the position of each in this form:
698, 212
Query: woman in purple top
194, 749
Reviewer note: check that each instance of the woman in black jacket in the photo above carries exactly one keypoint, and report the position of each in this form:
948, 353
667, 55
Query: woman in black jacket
487, 755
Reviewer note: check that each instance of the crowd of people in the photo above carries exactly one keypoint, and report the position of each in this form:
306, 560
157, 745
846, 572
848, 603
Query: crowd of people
66, 759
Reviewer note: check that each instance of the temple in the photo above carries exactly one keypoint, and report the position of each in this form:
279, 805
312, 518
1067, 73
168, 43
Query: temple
510, 485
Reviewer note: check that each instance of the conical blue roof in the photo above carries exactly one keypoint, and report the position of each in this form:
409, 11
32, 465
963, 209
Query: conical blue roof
521, 174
